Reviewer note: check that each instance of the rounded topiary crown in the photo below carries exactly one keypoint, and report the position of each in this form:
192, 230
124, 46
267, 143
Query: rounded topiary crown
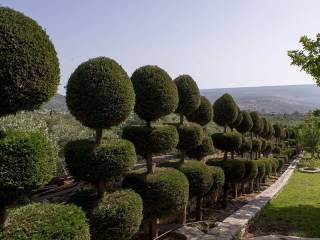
100, 94
277, 130
156, 93
225, 110
190, 136
238, 120
29, 67
257, 122
189, 94
203, 114
246, 123
227, 141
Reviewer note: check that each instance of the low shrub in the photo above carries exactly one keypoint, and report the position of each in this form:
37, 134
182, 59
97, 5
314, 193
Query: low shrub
234, 170
164, 192
218, 176
261, 168
88, 162
227, 142
44, 221
152, 140
117, 216
251, 170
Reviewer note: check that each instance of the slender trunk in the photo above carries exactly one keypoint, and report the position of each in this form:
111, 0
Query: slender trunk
101, 189
181, 118
243, 188
225, 129
232, 155
251, 187
3, 215
225, 195
198, 209
150, 168
182, 156
148, 124
153, 228
235, 193
98, 136
225, 156
182, 216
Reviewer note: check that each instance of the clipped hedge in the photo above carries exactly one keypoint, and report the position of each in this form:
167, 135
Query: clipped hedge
190, 136
92, 163
225, 110
46, 221
227, 141
27, 161
29, 67
164, 192
261, 169
117, 216
234, 170
251, 170
217, 175
100, 94
245, 147
256, 145
189, 95
152, 140
246, 123
156, 93
204, 149
203, 114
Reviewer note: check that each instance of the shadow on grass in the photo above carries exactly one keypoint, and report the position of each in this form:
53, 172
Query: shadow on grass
301, 220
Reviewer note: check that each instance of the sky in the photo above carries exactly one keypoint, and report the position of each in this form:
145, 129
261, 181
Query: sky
220, 43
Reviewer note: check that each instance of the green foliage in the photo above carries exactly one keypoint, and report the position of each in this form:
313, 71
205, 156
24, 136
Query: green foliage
276, 150
156, 93
246, 123
100, 94
227, 142
256, 145
204, 149
263, 145
261, 168
189, 95
225, 110
92, 163
27, 162
203, 114
257, 122
44, 221
164, 192
234, 170
277, 130
308, 58
268, 165
118, 216
238, 120
218, 176
29, 67
310, 136
245, 147
251, 170
152, 140
190, 136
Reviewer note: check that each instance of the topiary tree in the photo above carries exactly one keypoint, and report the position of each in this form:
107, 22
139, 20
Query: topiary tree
257, 123
245, 147
204, 149
225, 111
112, 97
29, 76
256, 147
46, 221
156, 96
117, 216
238, 120
203, 114
189, 96
29, 67
227, 142
246, 123
277, 132
251, 172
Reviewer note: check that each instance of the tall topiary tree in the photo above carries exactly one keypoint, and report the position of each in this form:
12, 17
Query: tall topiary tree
100, 95
277, 132
227, 142
225, 111
246, 123
257, 123
203, 114
238, 120
29, 76
164, 191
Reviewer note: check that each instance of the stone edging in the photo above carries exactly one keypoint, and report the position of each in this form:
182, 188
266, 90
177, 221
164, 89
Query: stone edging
308, 170
234, 226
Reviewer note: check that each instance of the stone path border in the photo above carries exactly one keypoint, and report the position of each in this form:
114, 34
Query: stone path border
234, 226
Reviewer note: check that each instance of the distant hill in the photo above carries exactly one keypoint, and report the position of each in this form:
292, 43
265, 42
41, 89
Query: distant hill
275, 99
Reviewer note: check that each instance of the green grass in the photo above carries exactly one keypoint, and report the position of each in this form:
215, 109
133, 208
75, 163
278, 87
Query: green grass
296, 210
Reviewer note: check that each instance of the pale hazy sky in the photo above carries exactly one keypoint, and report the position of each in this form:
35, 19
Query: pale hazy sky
220, 43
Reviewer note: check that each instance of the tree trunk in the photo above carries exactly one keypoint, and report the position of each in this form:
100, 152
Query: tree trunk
182, 216
251, 189
148, 124
150, 168
182, 156
225, 195
225, 129
232, 155
198, 209
235, 193
101, 189
243, 188
153, 228
98, 136
181, 118
3, 215
225, 156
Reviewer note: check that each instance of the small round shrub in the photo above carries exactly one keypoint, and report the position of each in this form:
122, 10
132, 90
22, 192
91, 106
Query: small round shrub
275, 164
268, 166
27, 161
100, 94
246, 124
227, 141
218, 176
238, 120
256, 145
118, 216
203, 114
29, 67
45, 221
152, 140
204, 149
190, 136
189, 95
156, 93
251, 170
261, 168
276, 150
164, 192
245, 147
225, 110
88, 162
234, 170
257, 122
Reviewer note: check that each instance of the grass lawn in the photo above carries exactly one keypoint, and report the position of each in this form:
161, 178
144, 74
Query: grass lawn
296, 210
